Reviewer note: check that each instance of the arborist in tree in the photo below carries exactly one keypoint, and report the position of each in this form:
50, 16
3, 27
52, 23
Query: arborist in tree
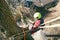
38, 21
36, 32
37, 17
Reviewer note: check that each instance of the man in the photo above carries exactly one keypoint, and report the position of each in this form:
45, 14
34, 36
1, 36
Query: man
39, 20
38, 33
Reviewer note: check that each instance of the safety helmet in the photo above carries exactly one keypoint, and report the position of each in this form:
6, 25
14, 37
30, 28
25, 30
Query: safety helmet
37, 15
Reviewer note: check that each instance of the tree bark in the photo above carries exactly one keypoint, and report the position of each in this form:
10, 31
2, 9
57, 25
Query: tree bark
7, 20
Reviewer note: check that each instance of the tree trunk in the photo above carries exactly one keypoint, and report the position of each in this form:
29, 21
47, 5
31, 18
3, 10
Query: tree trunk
7, 20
